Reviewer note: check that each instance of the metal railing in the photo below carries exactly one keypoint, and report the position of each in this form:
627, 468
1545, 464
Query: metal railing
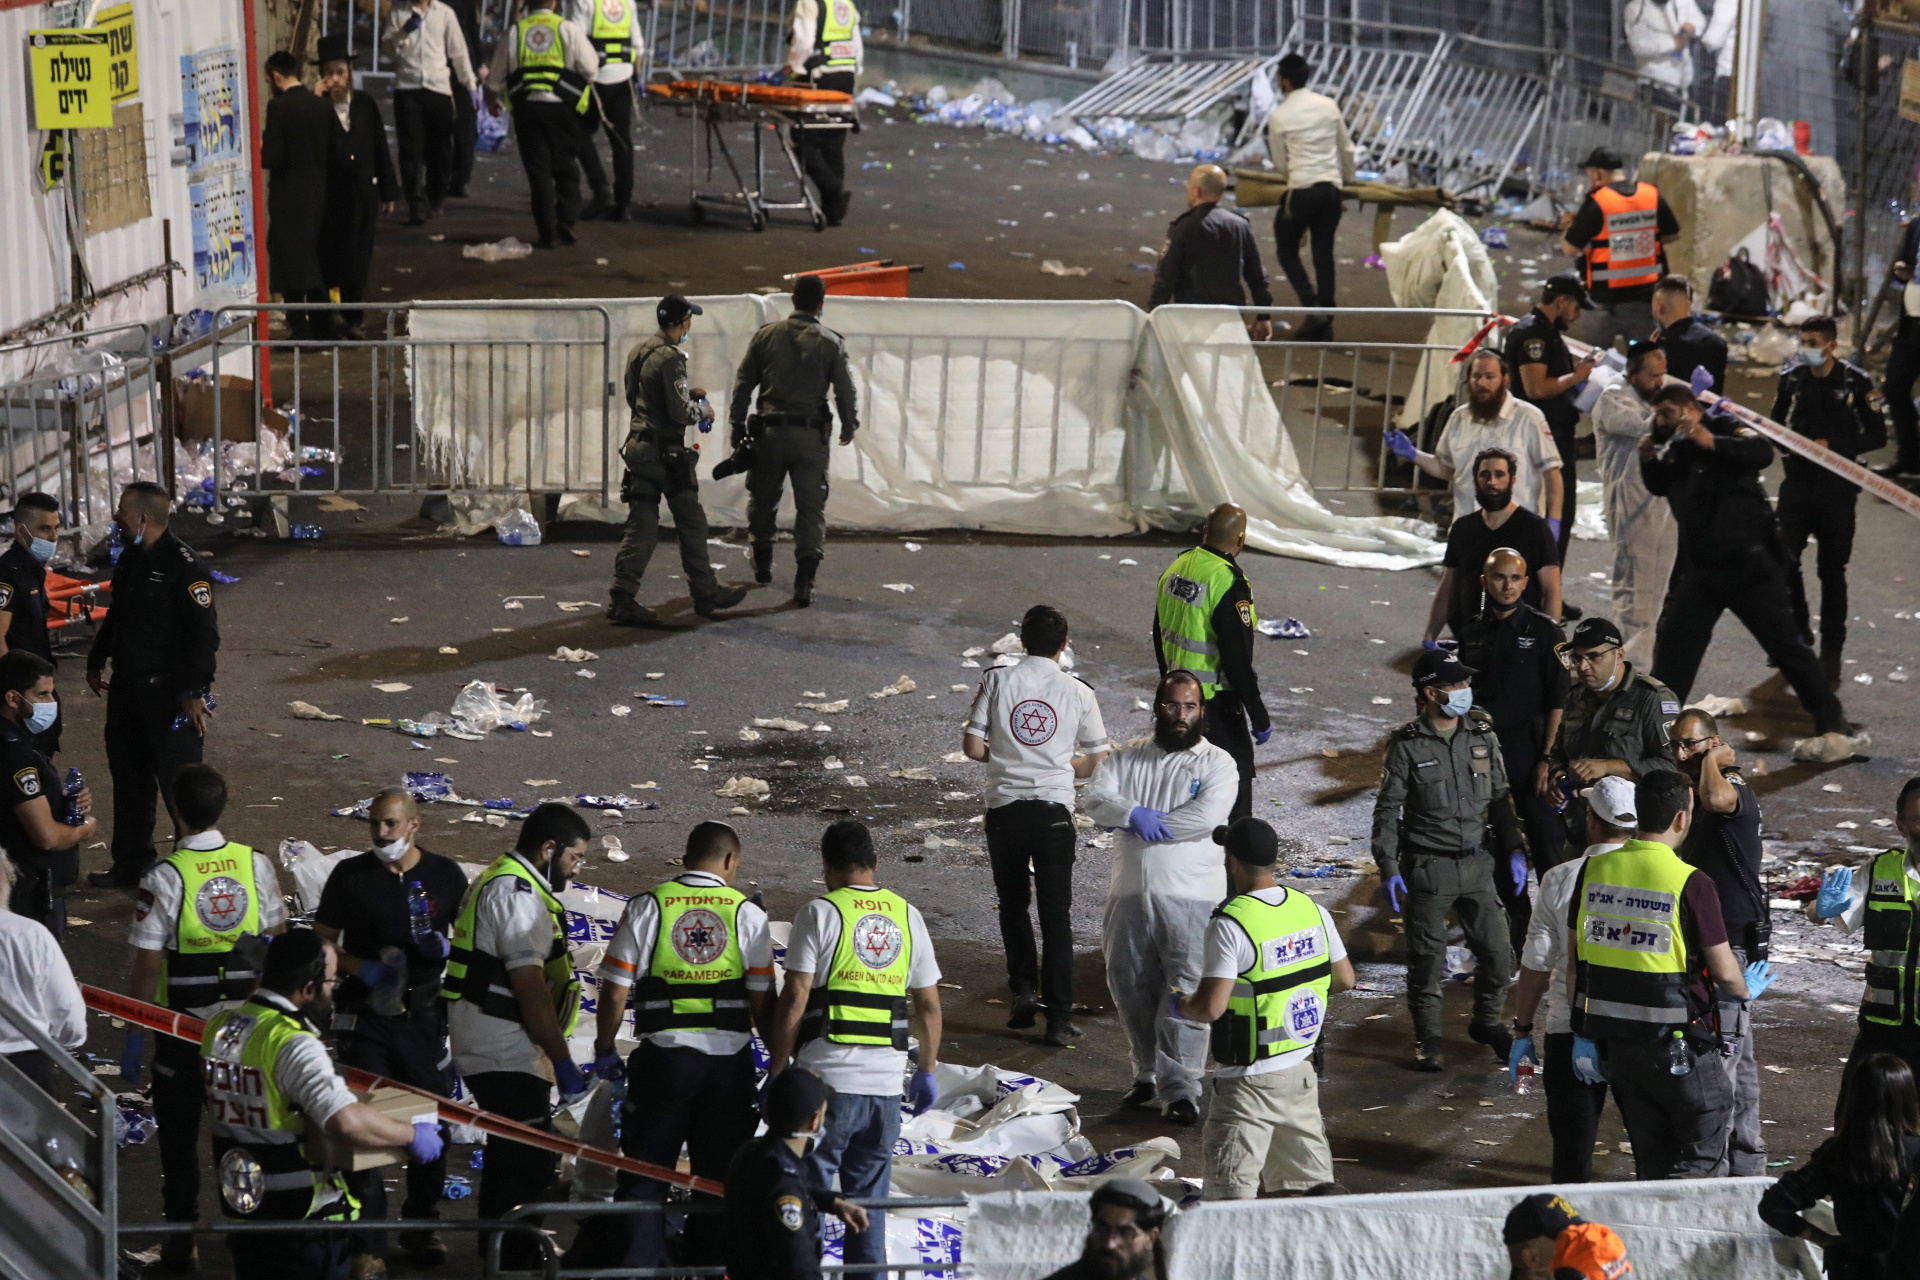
715, 37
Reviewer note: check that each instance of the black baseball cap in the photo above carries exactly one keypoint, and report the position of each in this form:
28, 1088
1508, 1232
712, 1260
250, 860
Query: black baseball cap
1438, 666
1592, 633
1539, 1216
673, 309
1566, 285
1603, 158
792, 1098
1249, 840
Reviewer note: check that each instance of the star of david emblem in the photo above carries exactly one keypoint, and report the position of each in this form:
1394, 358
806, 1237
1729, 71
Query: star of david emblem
1032, 722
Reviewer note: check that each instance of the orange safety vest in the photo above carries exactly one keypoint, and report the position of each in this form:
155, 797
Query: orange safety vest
1627, 250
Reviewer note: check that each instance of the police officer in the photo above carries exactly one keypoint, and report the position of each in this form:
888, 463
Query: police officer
1210, 252
1548, 375
1203, 621
693, 960
1615, 724
1883, 900
197, 924
613, 26
160, 636
547, 65
514, 1001
272, 1091
791, 364
1689, 342
825, 50
40, 829
1832, 403
662, 463
1617, 233
1903, 361
23, 580
1443, 786
391, 1021
774, 1193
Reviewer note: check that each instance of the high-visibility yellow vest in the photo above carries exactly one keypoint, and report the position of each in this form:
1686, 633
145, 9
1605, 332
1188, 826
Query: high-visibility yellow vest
1627, 250
697, 976
1633, 967
1190, 589
542, 63
864, 999
1280, 1003
480, 976
219, 905
1892, 938
838, 23
257, 1131
612, 31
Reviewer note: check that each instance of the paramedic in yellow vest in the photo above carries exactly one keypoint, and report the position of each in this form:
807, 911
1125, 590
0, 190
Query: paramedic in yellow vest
692, 961
514, 1001
190, 915
271, 1090
1273, 959
613, 28
1203, 622
546, 66
824, 50
860, 976
1616, 233
1881, 897
1648, 948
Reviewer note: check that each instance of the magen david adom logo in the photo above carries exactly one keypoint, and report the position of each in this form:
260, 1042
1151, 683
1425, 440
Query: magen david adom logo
539, 37
221, 904
699, 936
877, 941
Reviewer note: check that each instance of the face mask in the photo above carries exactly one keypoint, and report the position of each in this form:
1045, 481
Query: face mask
41, 716
1458, 703
41, 549
1812, 357
395, 851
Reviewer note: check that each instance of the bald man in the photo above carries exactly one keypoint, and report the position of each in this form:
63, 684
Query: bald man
1203, 622
1211, 256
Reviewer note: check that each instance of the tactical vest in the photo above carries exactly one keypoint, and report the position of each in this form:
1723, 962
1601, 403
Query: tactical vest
542, 58
481, 977
838, 22
1626, 253
219, 905
697, 976
1279, 1004
864, 999
1633, 968
612, 31
1893, 944
1189, 590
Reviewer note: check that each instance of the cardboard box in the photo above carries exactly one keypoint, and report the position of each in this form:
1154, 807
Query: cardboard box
404, 1105
193, 410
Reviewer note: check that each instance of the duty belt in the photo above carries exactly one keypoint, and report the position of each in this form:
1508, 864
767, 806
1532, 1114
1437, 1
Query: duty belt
792, 419
1408, 847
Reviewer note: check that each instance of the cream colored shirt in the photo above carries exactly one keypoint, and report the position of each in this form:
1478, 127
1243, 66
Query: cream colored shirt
1308, 140
422, 56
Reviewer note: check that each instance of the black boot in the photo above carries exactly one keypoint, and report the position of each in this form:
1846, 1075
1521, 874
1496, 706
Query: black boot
722, 598
625, 611
803, 572
763, 562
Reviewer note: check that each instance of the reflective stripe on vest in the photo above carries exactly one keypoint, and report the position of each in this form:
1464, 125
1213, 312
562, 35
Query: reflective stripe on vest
1892, 939
697, 976
612, 33
835, 38
257, 1131
864, 999
1633, 970
1279, 1004
1627, 250
1190, 589
480, 977
219, 905
542, 59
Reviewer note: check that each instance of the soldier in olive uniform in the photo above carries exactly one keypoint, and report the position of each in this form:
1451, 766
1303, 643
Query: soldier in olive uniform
792, 363
1442, 788
661, 464
1615, 724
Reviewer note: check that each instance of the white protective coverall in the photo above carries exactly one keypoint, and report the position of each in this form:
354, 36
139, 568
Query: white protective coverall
1651, 28
1160, 898
1644, 536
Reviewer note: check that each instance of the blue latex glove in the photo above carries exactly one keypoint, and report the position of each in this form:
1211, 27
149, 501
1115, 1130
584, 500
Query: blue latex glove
427, 1143
1399, 444
435, 946
1173, 1005
1432, 646
1720, 409
608, 1067
1553, 527
1702, 379
570, 1080
1149, 824
1260, 736
1522, 1051
131, 1056
922, 1092
1396, 891
1836, 889
375, 974
1759, 976
1586, 1061
1517, 864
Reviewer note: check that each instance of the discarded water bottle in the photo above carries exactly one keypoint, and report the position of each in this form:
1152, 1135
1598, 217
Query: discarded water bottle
182, 722
75, 784
457, 1188
419, 912
1523, 1078
479, 1159
1679, 1061
307, 531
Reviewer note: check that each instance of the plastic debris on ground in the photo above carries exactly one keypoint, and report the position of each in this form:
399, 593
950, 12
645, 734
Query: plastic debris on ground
1283, 628
1055, 267
903, 684
901, 587
478, 709
307, 711
132, 1126
824, 708
508, 250
743, 787
657, 700
619, 801
789, 726
1717, 706
518, 528
564, 654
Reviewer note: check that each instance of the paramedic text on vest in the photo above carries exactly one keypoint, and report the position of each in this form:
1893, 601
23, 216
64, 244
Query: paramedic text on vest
1616, 233
1882, 896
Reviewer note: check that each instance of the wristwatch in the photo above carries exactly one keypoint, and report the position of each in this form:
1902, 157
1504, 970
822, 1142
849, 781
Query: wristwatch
1522, 1028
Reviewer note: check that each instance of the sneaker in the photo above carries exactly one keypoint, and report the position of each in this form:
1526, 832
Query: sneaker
424, 1248
1060, 1032
368, 1267
179, 1254
803, 574
1026, 1011
1326, 1189
1182, 1112
722, 598
1427, 1056
1141, 1095
1495, 1037
116, 879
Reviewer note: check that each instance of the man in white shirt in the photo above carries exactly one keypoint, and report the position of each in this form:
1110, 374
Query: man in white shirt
825, 50
1843, 899
1168, 794
613, 28
1036, 728
1313, 154
429, 56
36, 980
1273, 959
1573, 1106
545, 66
860, 973
1491, 419
1661, 34
1644, 536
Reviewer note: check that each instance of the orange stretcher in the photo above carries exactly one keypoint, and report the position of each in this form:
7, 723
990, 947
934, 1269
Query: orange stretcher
780, 110
772, 95
71, 600
880, 279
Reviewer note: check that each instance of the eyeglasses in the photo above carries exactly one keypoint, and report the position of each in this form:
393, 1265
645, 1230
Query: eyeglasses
1590, 658
1692, 744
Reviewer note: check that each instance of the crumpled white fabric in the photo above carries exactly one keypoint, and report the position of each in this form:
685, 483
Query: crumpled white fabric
1440, 263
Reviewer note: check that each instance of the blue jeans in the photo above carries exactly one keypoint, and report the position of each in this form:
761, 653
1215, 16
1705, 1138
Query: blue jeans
857, 1144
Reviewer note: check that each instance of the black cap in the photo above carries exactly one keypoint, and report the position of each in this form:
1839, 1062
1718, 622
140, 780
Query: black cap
1566, 285
1603, 158
1249, 840
673, 309
290, 953
1539, 1216
1438, 666
332, 48
792, 1098
1593, 633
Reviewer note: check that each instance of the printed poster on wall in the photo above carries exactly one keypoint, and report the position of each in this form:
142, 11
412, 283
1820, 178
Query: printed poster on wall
219, 179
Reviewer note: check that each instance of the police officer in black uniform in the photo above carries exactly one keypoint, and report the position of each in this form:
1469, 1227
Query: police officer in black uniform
1546, 375
161, 636
774, 1196
1211, 255
1689, 341
23, 589
34, 826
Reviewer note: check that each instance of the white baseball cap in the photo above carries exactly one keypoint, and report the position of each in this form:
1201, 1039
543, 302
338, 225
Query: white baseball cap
1611, 800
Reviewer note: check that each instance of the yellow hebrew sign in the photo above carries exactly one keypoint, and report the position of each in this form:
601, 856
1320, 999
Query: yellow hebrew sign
123, 71
71, 88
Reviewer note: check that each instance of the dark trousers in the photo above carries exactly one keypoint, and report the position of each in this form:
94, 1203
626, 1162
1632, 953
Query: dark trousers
144, 751
1754, 588
549, 138
466, 128
823, 157
1227, 729
514, 1174
318, 1255
675, 1097
40, 893
1824, 511
305, 324
616, 119
1462, 883
1563, 440
649, 478
34, 1065
1677, 1124
406, 1050
1903, 367
1573, 1111
423, 129
179, 1096
1035, 837
1872, 1038
1312, 211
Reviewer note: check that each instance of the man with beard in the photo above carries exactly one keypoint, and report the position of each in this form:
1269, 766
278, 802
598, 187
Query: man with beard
1491, 419
1644, 538
1123, 1242
1472, 537
1881, 896
1549, 376
1166, 797
1615, 724
361, 185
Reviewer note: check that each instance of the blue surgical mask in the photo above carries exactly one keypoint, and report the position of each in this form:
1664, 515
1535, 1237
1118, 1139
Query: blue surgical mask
1812, 357
42, 549
1459, 702
41, 718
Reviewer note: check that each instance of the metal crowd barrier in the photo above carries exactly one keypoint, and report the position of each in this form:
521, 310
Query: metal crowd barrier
715, 37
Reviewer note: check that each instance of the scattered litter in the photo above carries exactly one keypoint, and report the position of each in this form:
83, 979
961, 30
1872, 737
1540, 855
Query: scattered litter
1330, 753
575, 606
954, 757
480, 710
826, 708
1779, 1071
1831, 786
1863, 678
743, 787
916, 773
1754, 735
1283, 628
974, 652
307, 711
585, 674
1883, 822
1009, 643
1055, 267
518, 528
507, 250
620, 709
581, 553
904, 684
396, 621
1383, 702
449, 649
749, 735
832, 762
855, 780
969, 662
393, 686
564, 654
1339, 839
541, 782
1716, 706
901, 587
656, 675
789, 726
1127, 560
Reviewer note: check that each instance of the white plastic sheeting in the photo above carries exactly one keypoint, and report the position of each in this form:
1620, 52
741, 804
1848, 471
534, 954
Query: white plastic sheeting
1440, 263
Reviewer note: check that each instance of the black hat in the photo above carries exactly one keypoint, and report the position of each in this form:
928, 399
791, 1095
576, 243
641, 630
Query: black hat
1539, 1216
673, 309
332, 48
1594, 632
792, 1098
290, 953
1249, 840
1566, 285
1438, 666
1603, 158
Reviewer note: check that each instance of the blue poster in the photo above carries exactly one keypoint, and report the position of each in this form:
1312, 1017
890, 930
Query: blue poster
219, 179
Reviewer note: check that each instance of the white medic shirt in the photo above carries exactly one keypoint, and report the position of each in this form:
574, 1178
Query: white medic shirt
868, 1069
1196, 789
36, 979
1520, 429
512, 923
629, 958
1545, 950
1230, 953
157, 906
1035, 719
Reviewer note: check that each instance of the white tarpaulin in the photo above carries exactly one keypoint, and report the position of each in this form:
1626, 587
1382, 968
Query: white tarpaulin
1440, 263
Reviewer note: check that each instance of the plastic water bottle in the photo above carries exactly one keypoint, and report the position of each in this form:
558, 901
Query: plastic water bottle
75, 784
181, 722
1678, 1062
419, 912
1523, 1079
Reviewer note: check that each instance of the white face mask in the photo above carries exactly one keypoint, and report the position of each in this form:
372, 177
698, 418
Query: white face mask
395, 851
1458, 703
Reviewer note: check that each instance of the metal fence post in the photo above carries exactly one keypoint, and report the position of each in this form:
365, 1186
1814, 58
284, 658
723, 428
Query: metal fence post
1010, 30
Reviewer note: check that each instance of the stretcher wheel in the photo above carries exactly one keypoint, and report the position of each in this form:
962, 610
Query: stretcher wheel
696, 211
819, 220
757, 220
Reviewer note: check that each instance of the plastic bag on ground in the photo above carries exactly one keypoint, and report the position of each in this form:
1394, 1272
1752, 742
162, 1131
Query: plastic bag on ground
478, 709
506, 250
518, 528
309, 868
